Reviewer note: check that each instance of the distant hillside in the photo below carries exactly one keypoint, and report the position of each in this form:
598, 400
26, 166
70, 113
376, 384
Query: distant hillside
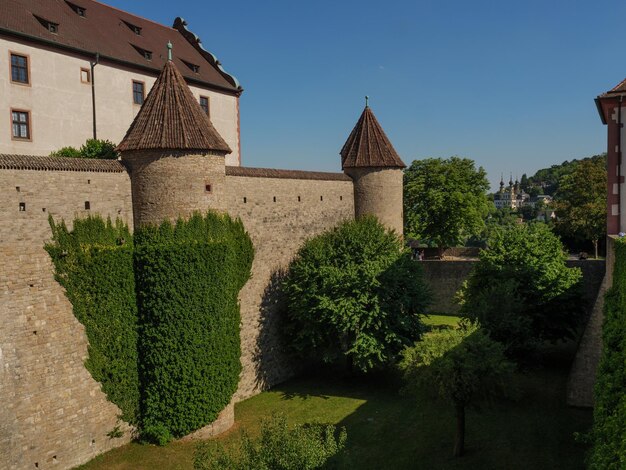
547, 180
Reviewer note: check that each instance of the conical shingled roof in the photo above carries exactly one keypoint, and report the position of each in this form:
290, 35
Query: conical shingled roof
368, 146
172, 119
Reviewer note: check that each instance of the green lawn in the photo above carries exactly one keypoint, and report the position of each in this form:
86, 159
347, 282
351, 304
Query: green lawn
390, 431
441, 320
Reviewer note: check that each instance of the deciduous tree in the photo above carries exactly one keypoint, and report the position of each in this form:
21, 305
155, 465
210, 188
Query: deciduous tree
459, 366
581, 202
445, 201
354, 296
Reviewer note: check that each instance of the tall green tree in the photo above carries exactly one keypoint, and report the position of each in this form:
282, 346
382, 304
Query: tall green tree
445, 201
460, 366
581, 202
354, 296
521, 290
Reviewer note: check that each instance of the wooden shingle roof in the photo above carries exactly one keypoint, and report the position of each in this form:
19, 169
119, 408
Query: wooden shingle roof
172, 119
368, 146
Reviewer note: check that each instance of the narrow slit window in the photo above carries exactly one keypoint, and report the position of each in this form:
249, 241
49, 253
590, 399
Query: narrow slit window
208, 188
245, 200
87, 205
298, 198
274, 198
85, 75
321, 198
341, 198
204, 104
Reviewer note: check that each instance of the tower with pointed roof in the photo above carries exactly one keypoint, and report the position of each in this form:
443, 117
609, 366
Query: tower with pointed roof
376, 170
174, 155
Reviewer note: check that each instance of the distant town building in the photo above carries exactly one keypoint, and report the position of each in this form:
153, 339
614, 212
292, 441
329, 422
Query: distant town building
70, 71
512, 196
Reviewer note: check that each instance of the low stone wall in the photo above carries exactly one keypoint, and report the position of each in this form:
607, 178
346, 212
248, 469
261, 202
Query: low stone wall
445, 278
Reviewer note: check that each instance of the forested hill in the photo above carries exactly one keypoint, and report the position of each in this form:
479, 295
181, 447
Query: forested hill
547, 180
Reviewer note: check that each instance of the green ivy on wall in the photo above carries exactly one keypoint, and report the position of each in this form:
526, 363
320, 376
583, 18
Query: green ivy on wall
161, 314
94, 263
609, 415
188, 279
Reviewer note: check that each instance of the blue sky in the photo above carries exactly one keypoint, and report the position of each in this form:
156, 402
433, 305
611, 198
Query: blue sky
508, 84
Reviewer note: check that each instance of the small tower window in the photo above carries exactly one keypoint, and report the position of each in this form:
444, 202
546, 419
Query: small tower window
321, 198
274, 198
87, 205
208, 188
22, 207
298, 198
245, 200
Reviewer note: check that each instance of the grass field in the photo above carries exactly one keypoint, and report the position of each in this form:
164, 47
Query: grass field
389, 431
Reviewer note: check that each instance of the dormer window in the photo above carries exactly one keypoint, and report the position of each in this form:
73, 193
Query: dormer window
144, 52
80, 11
49, 25
193, 67
134, 28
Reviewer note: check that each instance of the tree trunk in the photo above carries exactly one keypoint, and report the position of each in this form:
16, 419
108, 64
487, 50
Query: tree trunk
459, 441
595, 247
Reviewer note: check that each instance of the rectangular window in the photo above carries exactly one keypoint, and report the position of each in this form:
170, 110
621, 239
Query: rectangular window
204, 104
21, 124
19, 69
85, 75
138, 92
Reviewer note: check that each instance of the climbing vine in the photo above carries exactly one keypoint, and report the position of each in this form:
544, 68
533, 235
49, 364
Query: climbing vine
161, 314
94, 263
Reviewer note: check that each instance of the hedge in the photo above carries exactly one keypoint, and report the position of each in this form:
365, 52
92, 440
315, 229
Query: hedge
609, 427
94, 263
188, 278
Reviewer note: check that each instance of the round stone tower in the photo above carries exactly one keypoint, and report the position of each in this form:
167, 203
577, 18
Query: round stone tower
174, 155
376, 170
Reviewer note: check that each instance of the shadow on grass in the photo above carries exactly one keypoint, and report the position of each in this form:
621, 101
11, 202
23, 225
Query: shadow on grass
389, 431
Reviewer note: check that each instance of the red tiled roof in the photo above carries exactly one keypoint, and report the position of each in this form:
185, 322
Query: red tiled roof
172, 119
368, 146
618, 89
30, 162
105, 30
287, 174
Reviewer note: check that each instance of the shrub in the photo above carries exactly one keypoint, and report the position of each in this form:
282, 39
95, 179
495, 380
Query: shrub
188, 278
353, 294
67, 152
459, 366
521, 290
94, 263
609, 415
92, 148
279, 447
96, 148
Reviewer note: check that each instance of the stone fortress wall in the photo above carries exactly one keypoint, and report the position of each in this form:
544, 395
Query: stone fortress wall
55, 414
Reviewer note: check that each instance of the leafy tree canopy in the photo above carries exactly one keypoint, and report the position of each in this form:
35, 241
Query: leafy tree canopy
354, 295
92, 148
581, 202
549, 179
521, 289
458, 366
445, 201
